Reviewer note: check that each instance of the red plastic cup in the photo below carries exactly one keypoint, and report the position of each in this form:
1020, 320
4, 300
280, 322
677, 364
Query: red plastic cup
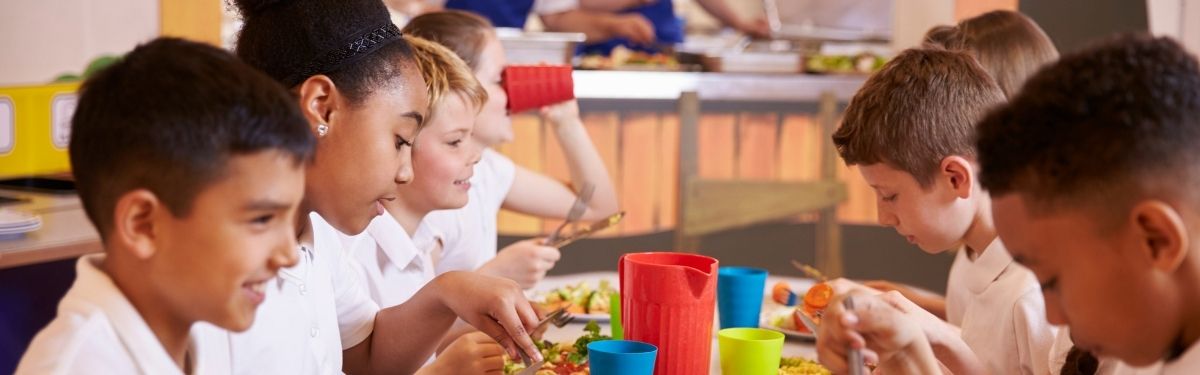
535, 86
667, 300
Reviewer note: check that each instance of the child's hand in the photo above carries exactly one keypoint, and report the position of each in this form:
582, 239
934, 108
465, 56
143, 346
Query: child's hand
843, 286
525, 262
472, 353
634, 27
565, 113
932, 302
496, 306
875, 326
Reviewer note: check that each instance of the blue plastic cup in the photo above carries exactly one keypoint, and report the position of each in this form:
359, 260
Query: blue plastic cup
740, 295
621, 357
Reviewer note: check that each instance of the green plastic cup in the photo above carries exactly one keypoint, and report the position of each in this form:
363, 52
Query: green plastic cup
750, 351
614, 316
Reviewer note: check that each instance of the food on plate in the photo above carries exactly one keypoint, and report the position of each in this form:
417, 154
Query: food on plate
814, 302
817, 298
865, 63
625, 58
782, 294
801, 366
562, 359
579, 298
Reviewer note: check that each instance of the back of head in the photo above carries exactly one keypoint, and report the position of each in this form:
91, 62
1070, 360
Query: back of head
168, 117
1009, 45
464, 33
444, 74
354, 42
920, 108
1114, 122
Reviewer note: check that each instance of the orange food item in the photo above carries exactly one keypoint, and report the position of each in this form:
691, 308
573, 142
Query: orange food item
818, 296
783, 294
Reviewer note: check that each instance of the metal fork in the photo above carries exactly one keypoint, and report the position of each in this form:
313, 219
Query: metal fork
576, 212
559, 318
854, 358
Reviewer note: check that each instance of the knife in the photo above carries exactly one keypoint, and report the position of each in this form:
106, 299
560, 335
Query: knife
588, 231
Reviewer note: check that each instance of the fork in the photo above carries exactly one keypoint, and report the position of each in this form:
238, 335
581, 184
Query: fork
854, 358
576, 212
559, 318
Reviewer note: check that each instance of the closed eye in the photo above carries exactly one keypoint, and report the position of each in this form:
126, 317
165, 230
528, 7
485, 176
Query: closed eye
890, 198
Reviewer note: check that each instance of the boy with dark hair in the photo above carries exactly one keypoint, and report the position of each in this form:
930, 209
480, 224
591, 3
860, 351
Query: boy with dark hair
909, 129
191, 166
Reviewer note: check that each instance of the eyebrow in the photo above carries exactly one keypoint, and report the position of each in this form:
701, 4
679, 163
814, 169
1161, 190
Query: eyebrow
265, 205
415, 116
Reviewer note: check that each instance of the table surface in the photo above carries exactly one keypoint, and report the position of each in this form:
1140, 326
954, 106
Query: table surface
65, 233
792, 347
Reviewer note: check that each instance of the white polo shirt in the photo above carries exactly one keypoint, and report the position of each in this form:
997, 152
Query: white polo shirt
312, 312
469, 234
98, 331
393, 265
998, 304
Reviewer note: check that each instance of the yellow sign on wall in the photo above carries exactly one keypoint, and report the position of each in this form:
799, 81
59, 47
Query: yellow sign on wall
35, 128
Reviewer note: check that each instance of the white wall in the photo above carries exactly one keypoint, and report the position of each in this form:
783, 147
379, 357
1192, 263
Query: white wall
40, 39
1176, 18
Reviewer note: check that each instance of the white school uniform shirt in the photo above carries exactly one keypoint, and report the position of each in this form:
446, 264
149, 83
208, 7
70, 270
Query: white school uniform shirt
98, 331
469, 233
312, 312
998, 305
393, 265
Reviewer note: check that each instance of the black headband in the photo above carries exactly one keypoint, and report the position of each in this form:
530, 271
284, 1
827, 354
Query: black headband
355, 48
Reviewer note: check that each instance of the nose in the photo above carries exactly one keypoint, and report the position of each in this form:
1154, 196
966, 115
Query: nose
476, 151
404, 174
1054, 312
886, 217
285, 255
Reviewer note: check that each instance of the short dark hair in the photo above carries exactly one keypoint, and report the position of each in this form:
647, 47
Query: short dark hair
1117, 121
353, 42
920, 108
168, 117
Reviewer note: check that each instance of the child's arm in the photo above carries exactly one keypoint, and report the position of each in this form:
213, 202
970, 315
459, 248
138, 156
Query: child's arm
536, 194
930, 301
944, 338
400, 341
885, 334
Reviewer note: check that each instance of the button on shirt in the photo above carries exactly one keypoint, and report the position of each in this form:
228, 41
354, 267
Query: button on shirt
98, 331
312, 312
998, 304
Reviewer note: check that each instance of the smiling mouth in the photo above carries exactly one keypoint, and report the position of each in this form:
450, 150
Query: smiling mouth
256, 291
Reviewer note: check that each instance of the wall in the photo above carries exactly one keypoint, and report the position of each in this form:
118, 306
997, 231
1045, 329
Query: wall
41, 39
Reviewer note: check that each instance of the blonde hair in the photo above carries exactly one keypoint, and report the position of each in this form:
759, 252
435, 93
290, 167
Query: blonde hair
445, 73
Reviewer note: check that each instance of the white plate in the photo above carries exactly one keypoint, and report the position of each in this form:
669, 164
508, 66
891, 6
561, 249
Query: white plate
772, 311
10, 218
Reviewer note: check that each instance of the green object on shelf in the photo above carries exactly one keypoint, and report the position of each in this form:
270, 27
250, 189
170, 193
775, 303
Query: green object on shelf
99, 64
66, 77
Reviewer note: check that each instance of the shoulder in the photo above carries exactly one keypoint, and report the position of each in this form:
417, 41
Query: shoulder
59, 347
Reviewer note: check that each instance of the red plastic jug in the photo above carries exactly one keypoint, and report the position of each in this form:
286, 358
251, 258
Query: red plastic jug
667, 300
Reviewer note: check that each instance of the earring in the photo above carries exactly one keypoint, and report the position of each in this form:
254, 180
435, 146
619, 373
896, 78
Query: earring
322, 129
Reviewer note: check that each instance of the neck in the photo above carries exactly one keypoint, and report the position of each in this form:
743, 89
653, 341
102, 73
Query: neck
982, 232
170, 327
1189, 278
408, 217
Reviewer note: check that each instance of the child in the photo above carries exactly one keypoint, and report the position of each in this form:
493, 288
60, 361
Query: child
395, 255
1091, 168
1010, 47
355, 80
469, 234
190, 165
909, 130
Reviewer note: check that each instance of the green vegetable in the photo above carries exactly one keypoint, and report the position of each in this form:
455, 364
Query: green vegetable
593, 334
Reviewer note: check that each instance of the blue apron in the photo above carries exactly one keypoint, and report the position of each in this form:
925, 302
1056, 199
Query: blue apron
502, 13
668, 29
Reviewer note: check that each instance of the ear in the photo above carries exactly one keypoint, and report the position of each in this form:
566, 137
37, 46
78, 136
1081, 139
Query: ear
318, 101
134, 222
1162, 235
959, 173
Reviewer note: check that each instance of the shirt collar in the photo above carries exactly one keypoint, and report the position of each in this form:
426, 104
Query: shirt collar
393, 240
988, 267
95, 287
